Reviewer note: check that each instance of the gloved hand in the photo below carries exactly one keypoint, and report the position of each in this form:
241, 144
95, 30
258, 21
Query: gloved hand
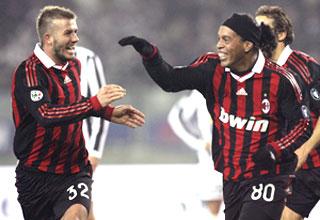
266, 157
142, 46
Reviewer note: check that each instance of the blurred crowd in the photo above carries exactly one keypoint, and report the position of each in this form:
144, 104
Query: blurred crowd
182, 29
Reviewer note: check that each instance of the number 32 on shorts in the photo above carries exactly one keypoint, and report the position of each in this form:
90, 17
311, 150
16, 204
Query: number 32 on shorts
266, 192
81, 188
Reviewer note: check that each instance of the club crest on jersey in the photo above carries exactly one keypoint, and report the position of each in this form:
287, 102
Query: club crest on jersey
36, 95
265, 106
314, 94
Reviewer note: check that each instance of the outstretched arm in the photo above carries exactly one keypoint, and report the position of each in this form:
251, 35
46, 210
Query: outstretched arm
171, 78
127, 115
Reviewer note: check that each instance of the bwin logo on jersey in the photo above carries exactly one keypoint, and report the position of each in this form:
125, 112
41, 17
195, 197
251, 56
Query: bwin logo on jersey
243, 123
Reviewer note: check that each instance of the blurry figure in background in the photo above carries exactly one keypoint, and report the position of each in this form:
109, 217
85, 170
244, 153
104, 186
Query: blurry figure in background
306, 185
192, 123
95, 130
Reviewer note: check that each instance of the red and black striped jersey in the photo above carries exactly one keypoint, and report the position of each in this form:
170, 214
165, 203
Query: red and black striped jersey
249, 111
48, 110
309, 71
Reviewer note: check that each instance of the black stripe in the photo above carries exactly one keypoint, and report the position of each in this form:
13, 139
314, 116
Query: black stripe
60, 145
98, 138
67, 167
247, 134
97, 71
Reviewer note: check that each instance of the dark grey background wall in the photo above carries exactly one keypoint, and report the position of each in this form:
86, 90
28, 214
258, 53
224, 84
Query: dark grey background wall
181, 29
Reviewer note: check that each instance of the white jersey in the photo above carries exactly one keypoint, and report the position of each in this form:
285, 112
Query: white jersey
94, 129
192, 123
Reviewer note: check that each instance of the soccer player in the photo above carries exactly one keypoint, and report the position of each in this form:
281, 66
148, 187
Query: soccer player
190, 120
250, 100
53, 175
94, 129
306, 185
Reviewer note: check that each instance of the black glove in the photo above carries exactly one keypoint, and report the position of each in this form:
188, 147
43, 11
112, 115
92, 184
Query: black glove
141, 45
265, 157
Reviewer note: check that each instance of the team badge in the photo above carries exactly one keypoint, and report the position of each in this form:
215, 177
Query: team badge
305, 111
265, 106
36, 95
314, 94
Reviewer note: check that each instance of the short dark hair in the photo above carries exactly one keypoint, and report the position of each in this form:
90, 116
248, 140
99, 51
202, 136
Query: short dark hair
281, 21
49, 13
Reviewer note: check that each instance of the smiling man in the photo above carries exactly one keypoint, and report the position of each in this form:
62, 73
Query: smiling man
250, 100
53, 176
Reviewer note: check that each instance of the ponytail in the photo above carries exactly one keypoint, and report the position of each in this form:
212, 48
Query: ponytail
267, 40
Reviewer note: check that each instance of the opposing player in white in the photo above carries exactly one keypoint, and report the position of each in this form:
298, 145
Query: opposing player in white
95, 129
191, 122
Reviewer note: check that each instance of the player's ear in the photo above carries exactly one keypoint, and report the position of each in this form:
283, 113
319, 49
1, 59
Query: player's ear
247, 46
47, 39
282, 36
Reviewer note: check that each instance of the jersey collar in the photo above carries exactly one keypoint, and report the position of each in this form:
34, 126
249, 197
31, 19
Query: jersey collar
46, 60
257, 68
284, 55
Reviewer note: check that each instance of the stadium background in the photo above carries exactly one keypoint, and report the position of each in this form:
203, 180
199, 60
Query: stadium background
182, 30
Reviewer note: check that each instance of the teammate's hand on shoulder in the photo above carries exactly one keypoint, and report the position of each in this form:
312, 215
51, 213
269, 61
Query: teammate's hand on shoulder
110, 93
141, 45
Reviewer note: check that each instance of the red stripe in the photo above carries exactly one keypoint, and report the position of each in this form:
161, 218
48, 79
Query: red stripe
52, 113
75, 152
34, 73
302, 64
241, 112
204, 58
63, 154
60, 95
299, 67
37, 145
273, 125
216, 80
76, 74
44, 165
16, 114
27, 73
294, 134
255, 136
295, 85
227, 146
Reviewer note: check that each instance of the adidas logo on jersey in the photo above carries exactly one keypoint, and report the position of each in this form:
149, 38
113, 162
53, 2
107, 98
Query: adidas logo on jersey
66, 79
242, 91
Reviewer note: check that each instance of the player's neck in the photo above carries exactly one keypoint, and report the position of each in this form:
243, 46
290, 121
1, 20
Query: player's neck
277, 52
246, 63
